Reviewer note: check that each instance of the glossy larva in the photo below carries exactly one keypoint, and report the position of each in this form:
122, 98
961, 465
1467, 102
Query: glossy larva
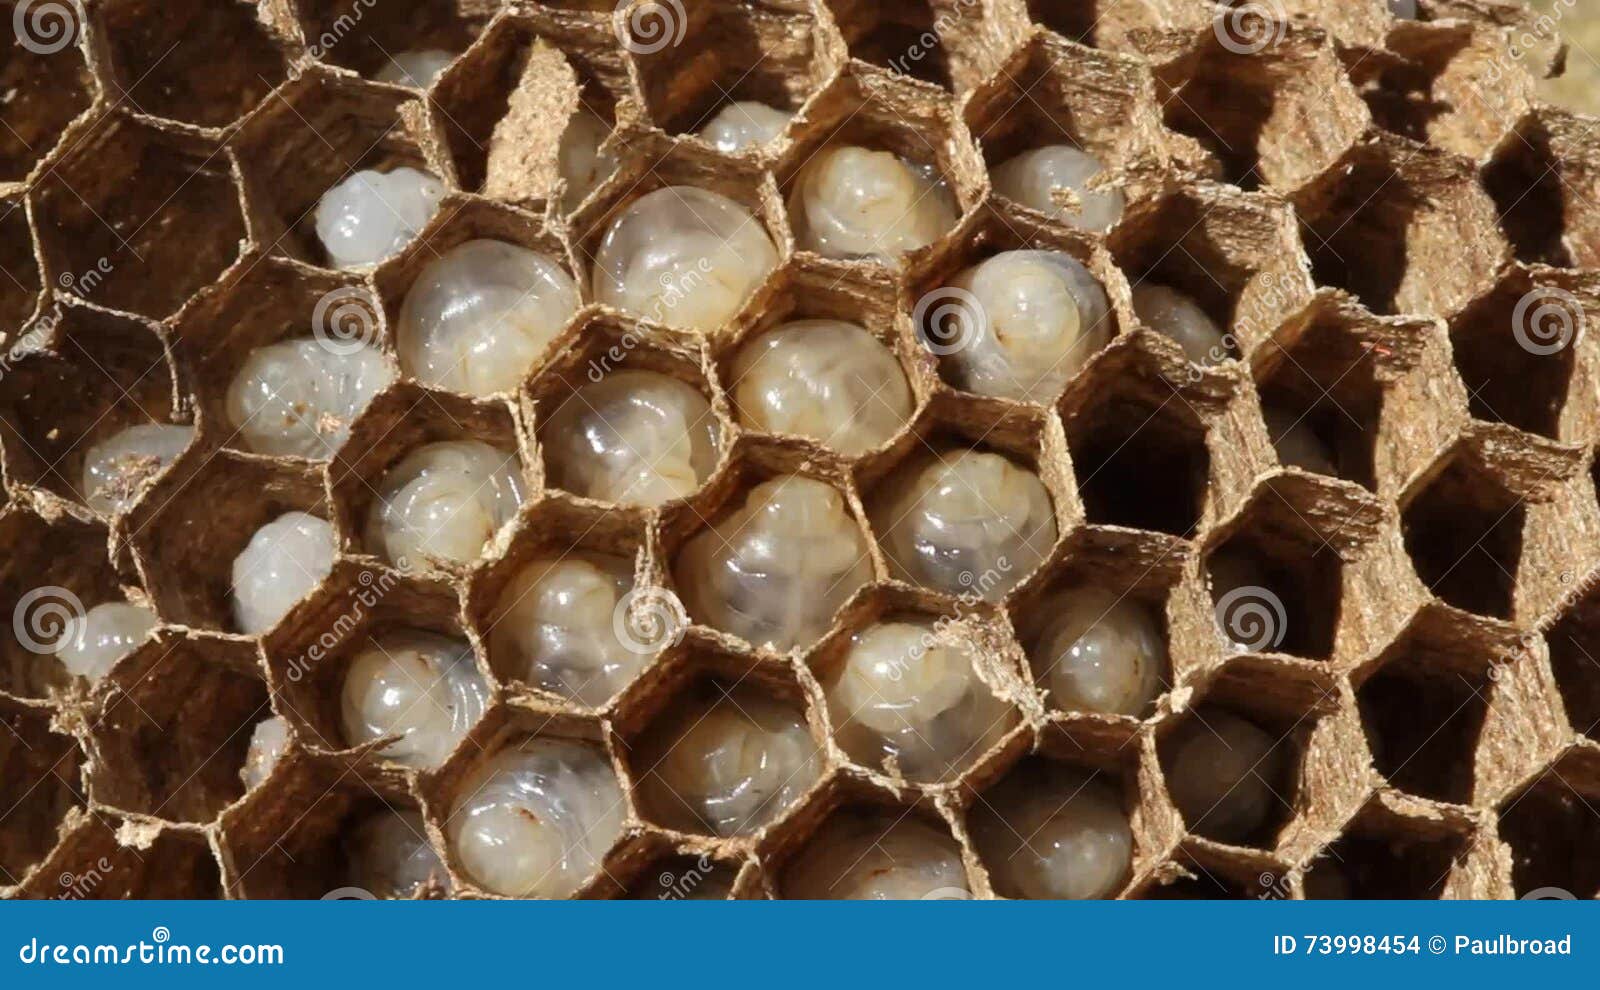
372, 215
1098, 652
682, 256
479, 316
1052, 832
1020, 325
417, 69
908, 695
555, 627
419, 686
744, 124
853, 202
1058, 180
536, 819
633, 436
267, 742
102, 636
1170, 312
775, 570
825, 379
116, 469
444, 501
1295, 443
877, 858
1226, 775
281, 564
583, 166
731, 765
390, 856
297, 398
965, 522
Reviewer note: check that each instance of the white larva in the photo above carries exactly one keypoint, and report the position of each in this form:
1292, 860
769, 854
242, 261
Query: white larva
965, 522
116, 470
1174, 314
775, 570
479, 316
297, 398
744, 124
444, 502
684, 257
1058, 181
417, 69
638, 437
1098, 652
878, 858
853, 202
828, 380
105, 634
1050, 832
268, 740
390, 856
582, 164
282, 563
419, 686
536, 819
1225, 775
372, 215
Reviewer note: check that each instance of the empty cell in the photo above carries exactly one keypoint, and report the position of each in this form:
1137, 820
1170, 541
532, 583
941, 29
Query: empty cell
1552, 830
45, 80
41, 770
1272, 594
1139, 463
1371, 863
383, 41
903, 37
1423, 723
1516, 349
1463, 530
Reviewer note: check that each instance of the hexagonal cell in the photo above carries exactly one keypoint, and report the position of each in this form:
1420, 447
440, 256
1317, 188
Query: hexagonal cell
1574, 640
917, 693
379, 656
1533, 176
1269, 99
1051, 93
1514, 347
108, 858
313, 134
370, 42
906, 38
772, 378
142, 763
1322, 381
1385, 856
1424, 703
303, 838
1450, 85
685, 877
1550, 826
79, 378
1233, 764
163, 58
47, 83
1376, 224
867, 846
1050, 830
1138, 447
548, 611
41, 767
1463, 529
188, 542
730, 52
721, 745
882, 111
138, 219
1094, 626
477, 96
19, 269
394, 442
1234, 255
1277, 578
56, 572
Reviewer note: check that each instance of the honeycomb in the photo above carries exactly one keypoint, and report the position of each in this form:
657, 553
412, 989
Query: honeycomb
1370, 202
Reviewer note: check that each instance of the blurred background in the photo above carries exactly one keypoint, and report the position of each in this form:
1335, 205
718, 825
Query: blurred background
1579, 89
